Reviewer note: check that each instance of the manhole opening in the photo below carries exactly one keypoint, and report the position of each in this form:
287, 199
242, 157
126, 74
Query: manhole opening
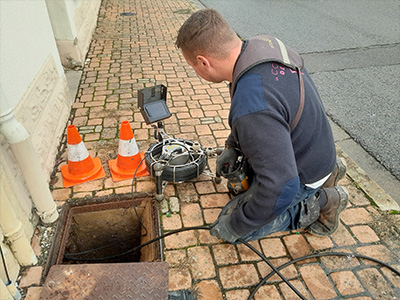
96, 231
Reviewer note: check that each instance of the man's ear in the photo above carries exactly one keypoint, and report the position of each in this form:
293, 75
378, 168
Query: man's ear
204, 61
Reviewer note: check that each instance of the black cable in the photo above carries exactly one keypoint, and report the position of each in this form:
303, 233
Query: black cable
275, 270
70, 256
133, 197
320, 255
94, 249
176, 231
5, 266
137, 215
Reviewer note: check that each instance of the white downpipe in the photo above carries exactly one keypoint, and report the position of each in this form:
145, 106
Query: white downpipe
14, 292
4, 293
8, 288
28, 160
14, 234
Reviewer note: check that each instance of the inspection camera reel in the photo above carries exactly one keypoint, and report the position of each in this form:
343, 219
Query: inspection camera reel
176, 160
170, 159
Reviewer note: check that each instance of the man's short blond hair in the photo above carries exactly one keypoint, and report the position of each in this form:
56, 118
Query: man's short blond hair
206, 33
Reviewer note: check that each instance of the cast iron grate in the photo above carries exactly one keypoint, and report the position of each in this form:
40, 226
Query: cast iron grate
139, 281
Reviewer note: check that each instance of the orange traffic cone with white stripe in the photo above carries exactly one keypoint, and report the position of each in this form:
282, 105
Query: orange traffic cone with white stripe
81, 167
129, 162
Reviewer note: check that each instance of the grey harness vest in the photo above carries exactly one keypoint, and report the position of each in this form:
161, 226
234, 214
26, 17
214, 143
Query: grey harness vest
262, 49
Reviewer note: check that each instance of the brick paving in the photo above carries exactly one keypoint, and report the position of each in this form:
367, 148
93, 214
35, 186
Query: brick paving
133, 52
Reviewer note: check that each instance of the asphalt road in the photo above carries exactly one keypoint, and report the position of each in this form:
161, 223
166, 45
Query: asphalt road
352, 51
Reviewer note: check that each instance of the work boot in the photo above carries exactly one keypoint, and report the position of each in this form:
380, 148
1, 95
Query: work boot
328, 220
338, 173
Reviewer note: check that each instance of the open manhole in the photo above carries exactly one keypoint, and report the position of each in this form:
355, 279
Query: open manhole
101, 232
85, 261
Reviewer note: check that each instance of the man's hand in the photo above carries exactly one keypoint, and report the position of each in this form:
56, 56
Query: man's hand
222, 229
227, 160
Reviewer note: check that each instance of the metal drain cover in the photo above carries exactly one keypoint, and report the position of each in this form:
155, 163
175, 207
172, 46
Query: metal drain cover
136, 281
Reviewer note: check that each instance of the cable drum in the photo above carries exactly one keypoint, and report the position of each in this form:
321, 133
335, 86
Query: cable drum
182, 160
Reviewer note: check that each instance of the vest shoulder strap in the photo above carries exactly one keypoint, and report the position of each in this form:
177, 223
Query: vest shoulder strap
262, 49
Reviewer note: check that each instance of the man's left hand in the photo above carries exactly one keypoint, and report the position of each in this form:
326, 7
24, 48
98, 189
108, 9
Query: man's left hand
222, 229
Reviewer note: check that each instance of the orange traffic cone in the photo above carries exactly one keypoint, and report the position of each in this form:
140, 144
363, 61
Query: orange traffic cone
81, 167
129, 158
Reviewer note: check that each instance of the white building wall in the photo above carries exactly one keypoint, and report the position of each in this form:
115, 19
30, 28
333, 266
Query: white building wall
32, 76
33, 81
73, 23
35, 87
27, 41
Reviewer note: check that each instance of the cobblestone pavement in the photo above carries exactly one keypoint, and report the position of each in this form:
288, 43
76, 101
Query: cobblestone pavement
137, 51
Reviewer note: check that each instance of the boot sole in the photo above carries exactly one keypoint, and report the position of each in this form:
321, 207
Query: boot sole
344, 199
